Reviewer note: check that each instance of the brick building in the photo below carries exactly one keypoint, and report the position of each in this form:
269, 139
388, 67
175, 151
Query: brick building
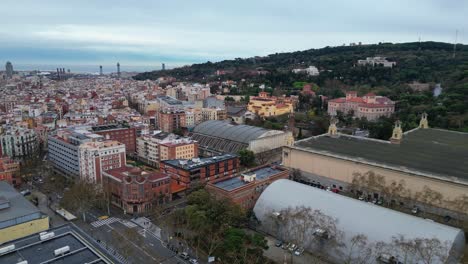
96, 157
121, 133
9, 170
137, 191
244, 189
171, 120
185, 173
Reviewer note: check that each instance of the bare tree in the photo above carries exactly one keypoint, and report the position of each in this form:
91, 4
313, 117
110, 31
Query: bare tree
429, 196
460, 204
358, 251
421, 250
82, 196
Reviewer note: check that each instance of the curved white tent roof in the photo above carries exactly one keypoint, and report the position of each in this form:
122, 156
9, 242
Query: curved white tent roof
355, 217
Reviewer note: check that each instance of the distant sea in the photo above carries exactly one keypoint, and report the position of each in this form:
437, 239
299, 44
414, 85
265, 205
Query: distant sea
85, 68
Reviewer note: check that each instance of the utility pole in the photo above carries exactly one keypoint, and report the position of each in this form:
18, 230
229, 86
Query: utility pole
455, 44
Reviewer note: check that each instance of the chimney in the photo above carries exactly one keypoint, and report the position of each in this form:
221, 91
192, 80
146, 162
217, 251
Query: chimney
397, 134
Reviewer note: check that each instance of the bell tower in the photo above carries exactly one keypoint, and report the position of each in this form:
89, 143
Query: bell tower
332, 129
397, 134
424, 123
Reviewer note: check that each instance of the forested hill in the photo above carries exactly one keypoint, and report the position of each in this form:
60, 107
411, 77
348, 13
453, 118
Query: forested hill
425, 62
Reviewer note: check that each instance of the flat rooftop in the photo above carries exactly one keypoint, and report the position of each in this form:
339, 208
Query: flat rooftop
430, 151
15, 206
198, 162
35, 251
108, 127
236, 182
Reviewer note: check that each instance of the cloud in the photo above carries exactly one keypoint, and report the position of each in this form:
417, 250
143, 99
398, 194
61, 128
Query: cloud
193, 31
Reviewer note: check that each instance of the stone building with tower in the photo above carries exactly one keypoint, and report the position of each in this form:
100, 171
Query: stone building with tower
425, 167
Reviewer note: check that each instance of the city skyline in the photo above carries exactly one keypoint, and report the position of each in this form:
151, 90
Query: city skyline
177, 33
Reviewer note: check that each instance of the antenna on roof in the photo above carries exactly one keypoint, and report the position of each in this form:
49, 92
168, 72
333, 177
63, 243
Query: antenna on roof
455, 44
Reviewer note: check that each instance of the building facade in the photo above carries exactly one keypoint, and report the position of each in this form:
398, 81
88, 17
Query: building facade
244, 189
369, 106
137, 191
63, 150
409, 168
178, 149
187, 173
120, 133
97, 157
264, 105
171, 120
19, 142
9, 171
376, 61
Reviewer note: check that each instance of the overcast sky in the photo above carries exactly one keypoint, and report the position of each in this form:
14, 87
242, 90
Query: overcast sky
148, 32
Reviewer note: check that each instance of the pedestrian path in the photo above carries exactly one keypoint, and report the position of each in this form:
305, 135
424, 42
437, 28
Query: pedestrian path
107, 221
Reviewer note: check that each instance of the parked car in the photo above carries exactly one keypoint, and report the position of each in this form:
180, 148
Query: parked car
299, 251
184, 255
293, 247
193, 261
285, 245
26, 192
388, 259
328, 189
374, 201
279, 243
415, 210
380, 201
361, 198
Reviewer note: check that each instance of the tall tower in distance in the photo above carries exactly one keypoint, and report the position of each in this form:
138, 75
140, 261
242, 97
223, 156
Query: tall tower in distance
100, 69
9, 70
118, 70
163, 67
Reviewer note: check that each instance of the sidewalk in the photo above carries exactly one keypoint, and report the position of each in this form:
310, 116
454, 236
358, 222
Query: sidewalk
55, 219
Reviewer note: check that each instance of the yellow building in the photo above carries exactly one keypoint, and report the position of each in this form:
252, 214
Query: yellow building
18, 217
178, 149
423, 167
264, 105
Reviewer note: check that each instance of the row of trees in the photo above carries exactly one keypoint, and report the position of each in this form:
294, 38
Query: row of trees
397, 190
215, 228
319, 233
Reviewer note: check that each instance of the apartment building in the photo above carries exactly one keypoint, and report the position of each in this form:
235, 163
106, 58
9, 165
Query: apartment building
120, 133
19, 142
63, 150
97, 157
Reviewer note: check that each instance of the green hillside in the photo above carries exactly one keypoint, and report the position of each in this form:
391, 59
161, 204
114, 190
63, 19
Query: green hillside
426, 62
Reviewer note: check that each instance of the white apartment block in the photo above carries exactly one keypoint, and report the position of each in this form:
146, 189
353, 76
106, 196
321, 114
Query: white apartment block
373, 61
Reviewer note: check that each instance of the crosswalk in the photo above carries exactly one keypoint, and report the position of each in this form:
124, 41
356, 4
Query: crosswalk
128, 224
107, 221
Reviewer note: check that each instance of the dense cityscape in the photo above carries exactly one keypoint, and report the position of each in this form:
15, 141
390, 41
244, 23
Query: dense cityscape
354, 153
